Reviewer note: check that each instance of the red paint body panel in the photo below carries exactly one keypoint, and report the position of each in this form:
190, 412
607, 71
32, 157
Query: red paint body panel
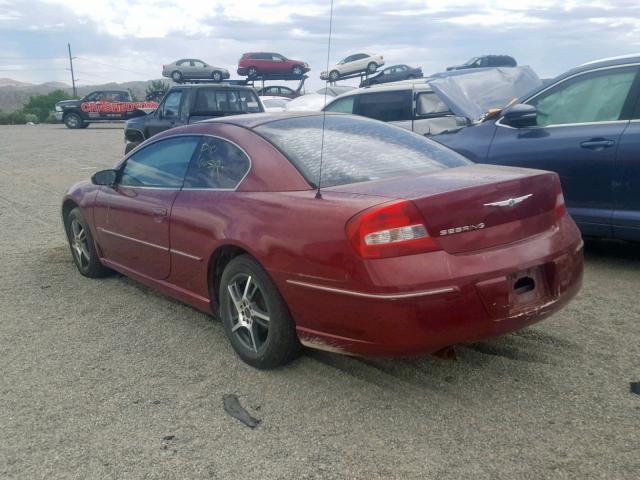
269, 66
340, 301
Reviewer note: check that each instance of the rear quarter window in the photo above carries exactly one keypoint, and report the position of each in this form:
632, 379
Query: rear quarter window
211, 100
385, 106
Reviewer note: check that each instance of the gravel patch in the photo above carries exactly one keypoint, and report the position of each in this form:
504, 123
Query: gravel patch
109, 379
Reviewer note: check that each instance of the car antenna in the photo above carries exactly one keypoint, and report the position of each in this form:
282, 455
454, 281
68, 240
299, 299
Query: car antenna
324, 113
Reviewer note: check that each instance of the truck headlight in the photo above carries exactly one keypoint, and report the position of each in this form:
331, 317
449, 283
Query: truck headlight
58, 108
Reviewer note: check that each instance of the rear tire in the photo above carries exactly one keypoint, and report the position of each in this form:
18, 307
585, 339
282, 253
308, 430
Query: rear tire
255, 317
372, 67
83, 248
296, 70
73, 120
252, 72
216, 76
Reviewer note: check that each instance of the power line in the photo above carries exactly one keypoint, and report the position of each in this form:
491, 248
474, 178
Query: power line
31, 58
111, 66
31, 69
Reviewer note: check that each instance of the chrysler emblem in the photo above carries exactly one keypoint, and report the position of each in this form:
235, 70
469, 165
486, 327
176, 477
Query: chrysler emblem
509, 202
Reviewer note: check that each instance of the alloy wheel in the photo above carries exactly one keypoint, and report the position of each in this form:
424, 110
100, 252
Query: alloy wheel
79, 244
217, 76
297, 70
72, 121
250, 318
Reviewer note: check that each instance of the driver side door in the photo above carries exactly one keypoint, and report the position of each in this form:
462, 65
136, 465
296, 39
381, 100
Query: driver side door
132, 217
168, 114
580, 121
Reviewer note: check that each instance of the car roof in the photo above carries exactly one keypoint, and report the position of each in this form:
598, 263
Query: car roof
212, 85
118, 90
252, 120
587, 67
612, 61
416, 84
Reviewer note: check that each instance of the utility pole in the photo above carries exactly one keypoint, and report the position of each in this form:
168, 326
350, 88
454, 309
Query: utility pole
73, 79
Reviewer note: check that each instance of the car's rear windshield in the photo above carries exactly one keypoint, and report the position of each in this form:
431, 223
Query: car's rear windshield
355, 149
212, 101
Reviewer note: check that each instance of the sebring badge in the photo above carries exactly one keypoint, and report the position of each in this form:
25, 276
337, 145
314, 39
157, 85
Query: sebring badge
465, 228
509, 202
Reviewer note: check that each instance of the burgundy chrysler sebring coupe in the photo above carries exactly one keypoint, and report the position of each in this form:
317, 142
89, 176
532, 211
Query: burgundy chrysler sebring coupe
407, 248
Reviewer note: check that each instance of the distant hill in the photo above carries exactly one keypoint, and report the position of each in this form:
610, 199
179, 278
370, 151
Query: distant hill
14, 94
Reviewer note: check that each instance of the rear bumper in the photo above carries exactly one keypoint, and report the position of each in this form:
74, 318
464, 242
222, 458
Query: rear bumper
468, 298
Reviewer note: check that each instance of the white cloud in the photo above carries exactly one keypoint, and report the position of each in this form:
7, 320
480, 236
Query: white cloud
159, 18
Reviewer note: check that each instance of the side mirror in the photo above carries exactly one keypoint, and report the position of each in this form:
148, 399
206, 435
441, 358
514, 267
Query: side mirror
105, 177
520, 116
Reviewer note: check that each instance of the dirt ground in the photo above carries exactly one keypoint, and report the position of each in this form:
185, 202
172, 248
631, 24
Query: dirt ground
108, 379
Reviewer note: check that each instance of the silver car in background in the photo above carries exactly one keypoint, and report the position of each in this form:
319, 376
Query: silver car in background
193, 69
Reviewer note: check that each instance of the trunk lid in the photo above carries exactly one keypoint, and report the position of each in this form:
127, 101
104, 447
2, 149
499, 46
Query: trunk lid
475, 207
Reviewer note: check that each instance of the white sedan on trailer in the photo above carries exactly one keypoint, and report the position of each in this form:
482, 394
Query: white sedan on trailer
358, 62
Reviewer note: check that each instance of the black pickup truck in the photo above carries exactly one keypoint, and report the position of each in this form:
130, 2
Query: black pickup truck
101, 106
185, 104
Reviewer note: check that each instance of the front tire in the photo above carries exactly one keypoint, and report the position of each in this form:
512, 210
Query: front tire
255, 318
176, 76
334, 75
83, 248
252, 72
372, 67
73, 120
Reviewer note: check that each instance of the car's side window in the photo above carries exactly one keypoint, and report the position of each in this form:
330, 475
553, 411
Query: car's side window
342, 105
430, 104
161, 164
171, 106
218, 164
588, 98
387, 106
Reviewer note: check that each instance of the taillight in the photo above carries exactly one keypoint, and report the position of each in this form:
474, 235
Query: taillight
561, 208
390, 230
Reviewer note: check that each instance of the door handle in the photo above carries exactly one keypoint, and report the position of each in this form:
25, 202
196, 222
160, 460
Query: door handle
598, 144
159, 212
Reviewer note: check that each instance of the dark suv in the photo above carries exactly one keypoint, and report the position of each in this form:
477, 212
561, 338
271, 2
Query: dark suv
487, 61
185, 104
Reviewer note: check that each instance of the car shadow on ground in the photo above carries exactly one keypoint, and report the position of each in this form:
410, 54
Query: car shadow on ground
611, 249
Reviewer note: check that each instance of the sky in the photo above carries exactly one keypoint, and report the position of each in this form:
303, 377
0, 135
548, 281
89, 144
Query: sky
123, 40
